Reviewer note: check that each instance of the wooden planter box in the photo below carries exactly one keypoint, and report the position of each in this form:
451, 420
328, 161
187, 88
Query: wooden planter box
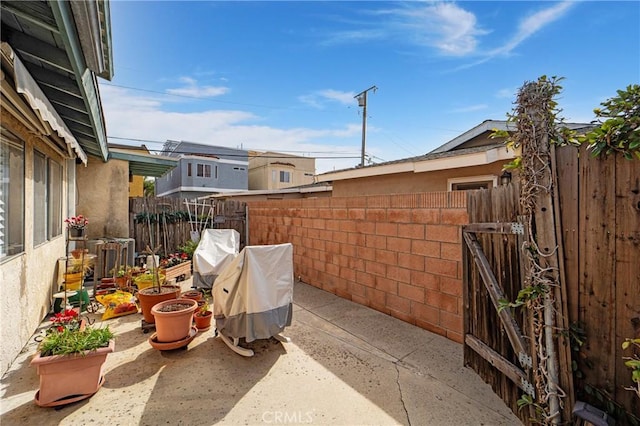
176, 271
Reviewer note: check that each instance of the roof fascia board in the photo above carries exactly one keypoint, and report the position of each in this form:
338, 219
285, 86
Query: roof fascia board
465, 160
88, 86
323, 188
123, 154
91, 28
481, 128
366, 172
213, 159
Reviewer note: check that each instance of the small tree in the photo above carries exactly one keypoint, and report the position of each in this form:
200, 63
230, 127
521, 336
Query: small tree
620, 132
149, 187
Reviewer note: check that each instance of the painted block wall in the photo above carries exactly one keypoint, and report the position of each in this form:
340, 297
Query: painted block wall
399, 254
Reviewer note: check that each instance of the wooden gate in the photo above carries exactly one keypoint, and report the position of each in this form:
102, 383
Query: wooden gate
599, 229
494, 338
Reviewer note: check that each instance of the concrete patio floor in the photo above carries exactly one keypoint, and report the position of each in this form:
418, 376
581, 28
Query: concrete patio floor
346, 364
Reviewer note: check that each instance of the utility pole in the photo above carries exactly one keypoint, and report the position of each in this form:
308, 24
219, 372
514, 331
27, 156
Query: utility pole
362, 102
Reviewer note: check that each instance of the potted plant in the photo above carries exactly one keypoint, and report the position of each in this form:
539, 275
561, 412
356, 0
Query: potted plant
176, 265
173, 319
70, 360
76, 225
202, 316
157, 292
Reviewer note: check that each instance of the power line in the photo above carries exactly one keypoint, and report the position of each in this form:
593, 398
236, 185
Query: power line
248, 149
211, 99
210, 154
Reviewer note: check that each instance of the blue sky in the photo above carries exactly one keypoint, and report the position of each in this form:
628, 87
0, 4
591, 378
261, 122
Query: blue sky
282, 76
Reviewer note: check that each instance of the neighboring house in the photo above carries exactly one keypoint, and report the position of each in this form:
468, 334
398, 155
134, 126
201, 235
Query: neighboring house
472, 160
202, 170
141, 164
274, 170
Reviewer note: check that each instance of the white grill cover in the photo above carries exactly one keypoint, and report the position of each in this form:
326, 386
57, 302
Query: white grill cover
216, 249
253, 295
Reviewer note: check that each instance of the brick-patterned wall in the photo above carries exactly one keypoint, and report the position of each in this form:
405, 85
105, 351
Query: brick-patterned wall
399, 254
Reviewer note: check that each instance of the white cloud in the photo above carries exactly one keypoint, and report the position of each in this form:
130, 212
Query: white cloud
192, 89
527, 27
532, 24
144, 117
319, 98
445, 26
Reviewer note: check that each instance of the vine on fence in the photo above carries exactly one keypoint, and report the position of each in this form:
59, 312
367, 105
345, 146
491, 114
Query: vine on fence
535, 116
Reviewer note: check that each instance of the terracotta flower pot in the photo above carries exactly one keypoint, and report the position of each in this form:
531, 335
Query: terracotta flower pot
64, 376
149, 297
173, 319
192, 294
203, 321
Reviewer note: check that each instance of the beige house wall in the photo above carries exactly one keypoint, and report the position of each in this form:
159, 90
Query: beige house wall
136, 187
262, 166
102, 196
27, 280
407, 183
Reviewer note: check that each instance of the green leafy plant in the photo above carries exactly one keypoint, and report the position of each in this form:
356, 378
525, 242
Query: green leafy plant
188, 248
633, 362
67, 336
204, 308
620, 132
206, 305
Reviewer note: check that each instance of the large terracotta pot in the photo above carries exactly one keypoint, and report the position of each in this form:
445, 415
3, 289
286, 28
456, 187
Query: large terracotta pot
149, 297
173, 319
69, 378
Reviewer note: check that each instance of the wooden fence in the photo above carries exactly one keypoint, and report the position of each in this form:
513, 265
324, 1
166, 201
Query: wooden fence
169, 222
599, 221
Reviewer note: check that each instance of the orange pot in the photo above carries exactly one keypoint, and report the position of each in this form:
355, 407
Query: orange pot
173, 319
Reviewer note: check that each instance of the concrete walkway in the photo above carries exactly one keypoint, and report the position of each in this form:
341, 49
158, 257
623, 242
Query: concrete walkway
346, 365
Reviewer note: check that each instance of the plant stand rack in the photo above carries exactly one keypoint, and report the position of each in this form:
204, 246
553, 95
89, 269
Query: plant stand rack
146, 326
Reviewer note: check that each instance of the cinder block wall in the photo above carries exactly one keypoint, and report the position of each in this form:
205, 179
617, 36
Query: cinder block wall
399, 254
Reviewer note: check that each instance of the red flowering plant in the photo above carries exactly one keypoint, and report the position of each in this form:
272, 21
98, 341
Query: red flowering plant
174, 259
69, 334
67, 319
77, 222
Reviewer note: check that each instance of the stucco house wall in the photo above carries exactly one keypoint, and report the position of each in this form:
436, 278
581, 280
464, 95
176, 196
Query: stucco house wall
28, 279
102, 196
408, 183
265, 168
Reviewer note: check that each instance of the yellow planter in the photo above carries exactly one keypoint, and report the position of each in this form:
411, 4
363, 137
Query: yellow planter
73, 281
145, 281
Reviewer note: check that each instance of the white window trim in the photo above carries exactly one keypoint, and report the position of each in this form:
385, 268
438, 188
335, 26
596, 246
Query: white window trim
472, 179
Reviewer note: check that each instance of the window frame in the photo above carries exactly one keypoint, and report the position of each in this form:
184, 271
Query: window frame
15, 218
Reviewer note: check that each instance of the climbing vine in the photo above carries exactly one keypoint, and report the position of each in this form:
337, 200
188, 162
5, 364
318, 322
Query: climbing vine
537, 123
